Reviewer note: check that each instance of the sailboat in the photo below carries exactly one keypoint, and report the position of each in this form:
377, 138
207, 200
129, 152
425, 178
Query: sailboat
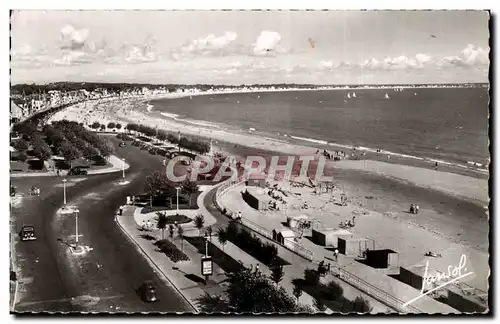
354, 94
258, 97
348, 95
386, 96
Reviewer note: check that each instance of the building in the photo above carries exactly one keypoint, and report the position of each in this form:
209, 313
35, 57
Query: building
16, 112
284, 237
385, 258
328, 236
354, 246
257, 198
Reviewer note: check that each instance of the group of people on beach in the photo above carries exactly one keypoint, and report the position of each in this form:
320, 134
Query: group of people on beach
349, 223
414, 209
336, 156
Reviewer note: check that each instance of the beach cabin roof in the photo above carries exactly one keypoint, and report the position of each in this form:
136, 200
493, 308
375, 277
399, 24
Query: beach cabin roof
12, 149
300, 217
286, 233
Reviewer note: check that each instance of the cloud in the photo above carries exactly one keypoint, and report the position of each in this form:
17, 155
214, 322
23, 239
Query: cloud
210, 45
73, 57
401, 62
266, 43
74, 39
470, 56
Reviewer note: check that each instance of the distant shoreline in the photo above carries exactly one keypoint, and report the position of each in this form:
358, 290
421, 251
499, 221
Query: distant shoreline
471, 166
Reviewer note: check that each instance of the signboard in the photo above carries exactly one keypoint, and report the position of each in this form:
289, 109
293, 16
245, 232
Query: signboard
206, 266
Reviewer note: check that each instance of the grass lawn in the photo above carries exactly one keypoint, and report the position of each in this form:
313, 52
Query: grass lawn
28, 166
223, 260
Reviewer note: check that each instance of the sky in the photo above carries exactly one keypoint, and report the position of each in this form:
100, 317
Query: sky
249, 47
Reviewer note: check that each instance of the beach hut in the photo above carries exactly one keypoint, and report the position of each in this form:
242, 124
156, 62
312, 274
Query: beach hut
328, 236
384, 258
352, 245
284, 237
257, 198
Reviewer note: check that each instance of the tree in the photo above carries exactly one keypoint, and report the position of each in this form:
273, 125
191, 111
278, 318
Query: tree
252, 292
95, 125
311, 277
361, 305
69, 152
157, 184
180, 231
212, 303
118, 126
319, 304
322, 269
103, 128
161, 223
189, 188
171, 230
41, 150
277, 272
297, 292
111, 125
199, 221
222, 237
20, 145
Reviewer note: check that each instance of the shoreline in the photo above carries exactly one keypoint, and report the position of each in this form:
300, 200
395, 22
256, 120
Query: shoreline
447, 209
467, 166
137, 110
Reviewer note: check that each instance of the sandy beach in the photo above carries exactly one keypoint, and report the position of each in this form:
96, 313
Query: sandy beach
449, 202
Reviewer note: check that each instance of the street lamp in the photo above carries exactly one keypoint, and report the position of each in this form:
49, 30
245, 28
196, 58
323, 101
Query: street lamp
64, 191
206, 244
177, 188
123, 168
76, 225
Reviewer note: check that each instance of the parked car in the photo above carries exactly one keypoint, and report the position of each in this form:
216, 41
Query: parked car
147, 291
27, 233
122, 144
77, 171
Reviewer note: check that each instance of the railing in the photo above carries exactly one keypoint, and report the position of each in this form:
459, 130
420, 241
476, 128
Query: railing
291, 245
288, 243
373, 291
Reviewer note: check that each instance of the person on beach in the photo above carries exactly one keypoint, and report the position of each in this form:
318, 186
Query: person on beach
336, 254
436, 166
416, 209
412, 209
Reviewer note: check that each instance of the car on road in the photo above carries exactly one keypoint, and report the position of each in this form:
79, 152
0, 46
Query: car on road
147, 291
77, 171
27, 233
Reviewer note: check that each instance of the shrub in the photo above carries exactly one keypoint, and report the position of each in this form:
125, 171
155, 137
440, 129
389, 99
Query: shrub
171, 250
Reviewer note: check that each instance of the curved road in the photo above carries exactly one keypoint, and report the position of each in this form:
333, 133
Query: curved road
102, 280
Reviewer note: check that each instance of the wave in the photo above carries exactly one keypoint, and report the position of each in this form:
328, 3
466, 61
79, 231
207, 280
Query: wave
190, 121
170, 115
473, 165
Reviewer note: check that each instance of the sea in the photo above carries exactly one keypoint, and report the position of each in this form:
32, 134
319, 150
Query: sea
445, 124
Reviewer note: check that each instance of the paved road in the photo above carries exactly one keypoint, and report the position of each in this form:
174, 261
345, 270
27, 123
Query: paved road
53, 279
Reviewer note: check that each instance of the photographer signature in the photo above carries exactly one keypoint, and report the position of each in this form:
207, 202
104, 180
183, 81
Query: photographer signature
454, 273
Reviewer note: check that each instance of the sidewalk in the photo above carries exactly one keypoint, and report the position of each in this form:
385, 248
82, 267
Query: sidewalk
116, 162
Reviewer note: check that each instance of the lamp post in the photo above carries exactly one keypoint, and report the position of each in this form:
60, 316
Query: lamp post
206, 245
177, 188
76, 225
64, 191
